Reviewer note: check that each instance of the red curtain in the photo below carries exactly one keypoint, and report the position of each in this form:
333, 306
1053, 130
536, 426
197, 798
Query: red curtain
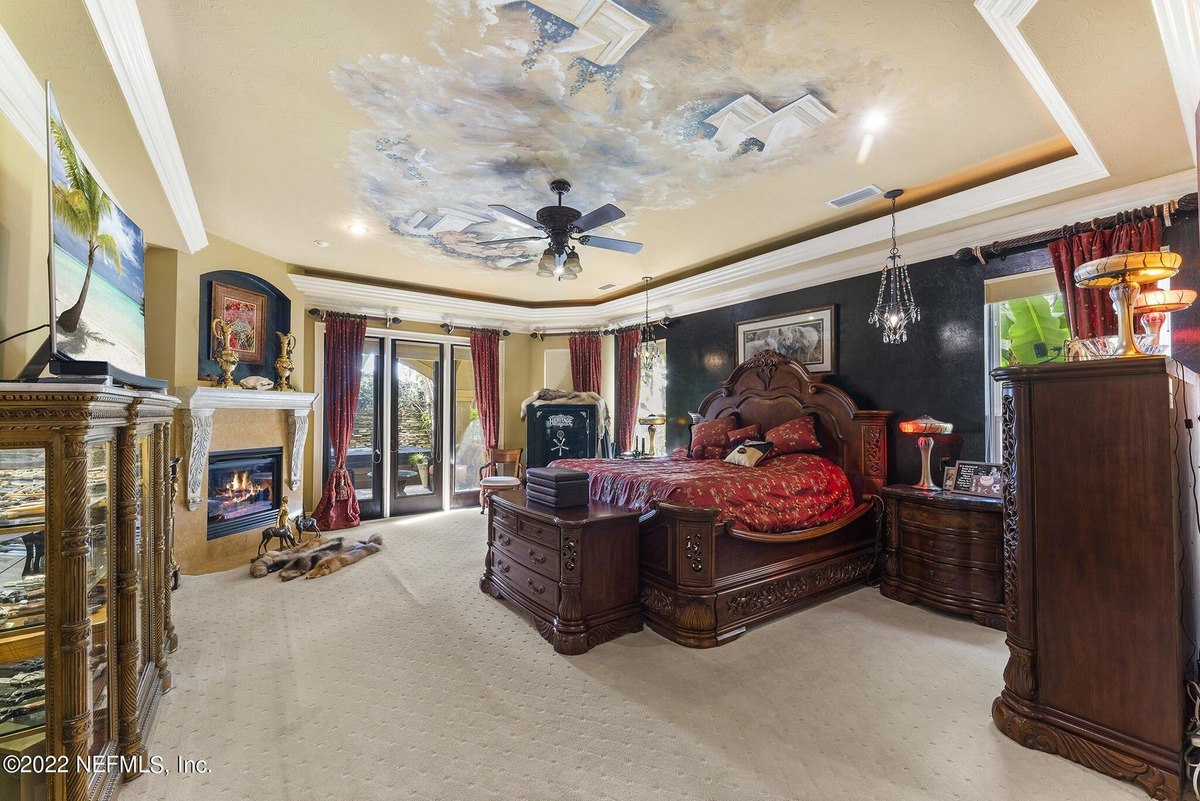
1089, 311
338, 507
485, 356
585, 362
629, 385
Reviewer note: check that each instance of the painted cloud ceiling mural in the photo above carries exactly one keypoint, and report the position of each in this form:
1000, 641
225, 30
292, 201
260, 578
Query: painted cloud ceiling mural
649, 105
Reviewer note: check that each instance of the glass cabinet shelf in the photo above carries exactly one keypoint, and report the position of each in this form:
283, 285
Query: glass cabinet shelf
22, 590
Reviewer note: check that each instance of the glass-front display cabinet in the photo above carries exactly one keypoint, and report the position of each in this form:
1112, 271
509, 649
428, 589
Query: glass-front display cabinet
85, 491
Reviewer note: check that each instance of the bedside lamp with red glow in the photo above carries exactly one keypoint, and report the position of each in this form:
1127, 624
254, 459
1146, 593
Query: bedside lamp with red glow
925, 426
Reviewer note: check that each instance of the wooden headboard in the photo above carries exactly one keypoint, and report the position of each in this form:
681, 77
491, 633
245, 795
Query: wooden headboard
770, 389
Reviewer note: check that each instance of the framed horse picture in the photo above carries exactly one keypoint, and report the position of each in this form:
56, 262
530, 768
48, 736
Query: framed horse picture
245, 311
809, 337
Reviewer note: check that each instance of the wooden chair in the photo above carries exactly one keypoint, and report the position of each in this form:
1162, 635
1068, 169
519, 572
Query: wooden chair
498, 482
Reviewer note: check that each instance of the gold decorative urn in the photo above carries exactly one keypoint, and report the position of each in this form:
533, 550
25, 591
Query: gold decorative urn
284, 364
227, 359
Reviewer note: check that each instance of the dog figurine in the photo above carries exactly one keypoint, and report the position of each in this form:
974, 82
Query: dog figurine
282, 532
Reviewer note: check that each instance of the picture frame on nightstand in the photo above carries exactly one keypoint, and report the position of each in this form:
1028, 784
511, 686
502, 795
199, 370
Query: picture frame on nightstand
948, 478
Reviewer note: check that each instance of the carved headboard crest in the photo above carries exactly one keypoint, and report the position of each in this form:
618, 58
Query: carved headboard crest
770, 388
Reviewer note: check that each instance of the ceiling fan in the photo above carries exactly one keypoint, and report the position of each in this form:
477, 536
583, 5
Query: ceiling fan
561, 225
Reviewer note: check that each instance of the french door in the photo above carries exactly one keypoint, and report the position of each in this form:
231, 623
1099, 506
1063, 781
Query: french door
417, 444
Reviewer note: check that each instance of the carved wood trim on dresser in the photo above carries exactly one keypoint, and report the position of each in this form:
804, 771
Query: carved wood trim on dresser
573, 571
1099, 515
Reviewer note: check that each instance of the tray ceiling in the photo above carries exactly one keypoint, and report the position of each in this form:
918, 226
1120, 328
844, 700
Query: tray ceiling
721, 128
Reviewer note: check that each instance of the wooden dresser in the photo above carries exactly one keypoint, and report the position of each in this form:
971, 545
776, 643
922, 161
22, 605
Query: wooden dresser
945, 549
574, 571
1101, 562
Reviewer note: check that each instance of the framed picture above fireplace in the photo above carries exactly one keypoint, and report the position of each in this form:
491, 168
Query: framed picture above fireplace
244, 490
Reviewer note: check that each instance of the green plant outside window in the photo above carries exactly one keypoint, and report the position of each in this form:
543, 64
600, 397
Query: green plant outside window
1033, 330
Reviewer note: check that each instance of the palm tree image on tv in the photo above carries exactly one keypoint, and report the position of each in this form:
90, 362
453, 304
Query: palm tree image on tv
97, 261
81, 205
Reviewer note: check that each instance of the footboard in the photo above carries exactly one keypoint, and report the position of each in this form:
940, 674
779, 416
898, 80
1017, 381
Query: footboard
701, 587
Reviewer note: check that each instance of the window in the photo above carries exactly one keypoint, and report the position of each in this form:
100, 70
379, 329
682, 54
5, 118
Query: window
652, 399
1026, 320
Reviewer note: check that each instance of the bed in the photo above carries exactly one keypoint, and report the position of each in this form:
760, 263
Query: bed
725, 547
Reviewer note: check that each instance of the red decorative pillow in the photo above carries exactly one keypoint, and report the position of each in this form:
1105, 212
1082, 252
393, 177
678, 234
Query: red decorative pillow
740, 435
795, 436
709, 435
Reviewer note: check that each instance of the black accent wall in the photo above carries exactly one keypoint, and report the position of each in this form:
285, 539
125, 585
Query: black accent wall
940, 371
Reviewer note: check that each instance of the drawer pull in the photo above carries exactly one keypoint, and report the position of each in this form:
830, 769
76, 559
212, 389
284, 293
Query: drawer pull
952, 580
502, 567
503, 540
933, 547
538, 588
537, 560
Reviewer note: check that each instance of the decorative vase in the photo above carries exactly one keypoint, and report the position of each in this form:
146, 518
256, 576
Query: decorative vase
227, 359
423, 473
284, 364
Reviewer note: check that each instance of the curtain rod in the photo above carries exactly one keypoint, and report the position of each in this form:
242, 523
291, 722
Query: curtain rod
982, 252
321, 314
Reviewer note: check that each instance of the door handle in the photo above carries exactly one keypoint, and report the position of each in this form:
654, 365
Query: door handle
376, 457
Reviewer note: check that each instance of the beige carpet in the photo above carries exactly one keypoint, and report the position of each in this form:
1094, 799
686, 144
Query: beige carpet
396, 679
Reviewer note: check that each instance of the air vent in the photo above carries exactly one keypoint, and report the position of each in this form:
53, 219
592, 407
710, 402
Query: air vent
857, 196
606, 286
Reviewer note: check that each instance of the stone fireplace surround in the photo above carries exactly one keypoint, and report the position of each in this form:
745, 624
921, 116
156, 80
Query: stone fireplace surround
213, 419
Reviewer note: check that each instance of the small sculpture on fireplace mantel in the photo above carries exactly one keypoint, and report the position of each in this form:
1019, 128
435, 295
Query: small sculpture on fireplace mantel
227, 359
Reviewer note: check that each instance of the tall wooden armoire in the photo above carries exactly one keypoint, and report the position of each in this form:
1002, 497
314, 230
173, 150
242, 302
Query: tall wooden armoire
1101, 549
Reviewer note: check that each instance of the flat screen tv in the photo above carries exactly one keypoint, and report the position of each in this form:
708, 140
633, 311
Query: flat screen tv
97, 262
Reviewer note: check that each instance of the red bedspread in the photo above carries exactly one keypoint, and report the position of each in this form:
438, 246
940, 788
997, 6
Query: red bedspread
784, 493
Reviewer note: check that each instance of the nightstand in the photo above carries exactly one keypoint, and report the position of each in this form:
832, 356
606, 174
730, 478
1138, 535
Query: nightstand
946, 550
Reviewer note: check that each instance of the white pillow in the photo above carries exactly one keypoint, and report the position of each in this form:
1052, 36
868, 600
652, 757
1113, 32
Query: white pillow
748, 454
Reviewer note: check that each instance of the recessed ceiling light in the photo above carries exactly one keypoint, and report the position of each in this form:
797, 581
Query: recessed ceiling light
321, 243
875, 121
358, 229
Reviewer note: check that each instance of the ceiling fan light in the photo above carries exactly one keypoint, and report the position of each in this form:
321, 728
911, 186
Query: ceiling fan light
571, 263
547, 261
566, 276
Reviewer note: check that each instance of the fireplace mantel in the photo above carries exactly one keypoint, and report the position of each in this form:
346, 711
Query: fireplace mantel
197, 407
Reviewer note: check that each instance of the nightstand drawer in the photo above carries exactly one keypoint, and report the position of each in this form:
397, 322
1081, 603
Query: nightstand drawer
539, 532
967, 582
527, 583
532, 555
961, 521
503, 517
971, 551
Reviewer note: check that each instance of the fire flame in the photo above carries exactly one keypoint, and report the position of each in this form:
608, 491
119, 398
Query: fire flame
240, 487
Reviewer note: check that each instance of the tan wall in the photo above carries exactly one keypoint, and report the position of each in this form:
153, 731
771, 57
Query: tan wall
233, 429
24, 247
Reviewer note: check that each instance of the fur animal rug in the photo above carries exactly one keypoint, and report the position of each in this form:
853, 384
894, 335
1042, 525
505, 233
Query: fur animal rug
335, 562
316, 558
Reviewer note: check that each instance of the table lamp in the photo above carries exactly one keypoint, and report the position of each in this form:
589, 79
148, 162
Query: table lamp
1154, 305
1122, 274
652, 422
926, 425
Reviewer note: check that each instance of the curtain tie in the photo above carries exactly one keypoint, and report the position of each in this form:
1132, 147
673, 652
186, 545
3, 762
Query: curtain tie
341, 484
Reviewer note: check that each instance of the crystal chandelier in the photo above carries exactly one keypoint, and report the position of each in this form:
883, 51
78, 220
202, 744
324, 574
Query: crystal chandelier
651, 355
895, 307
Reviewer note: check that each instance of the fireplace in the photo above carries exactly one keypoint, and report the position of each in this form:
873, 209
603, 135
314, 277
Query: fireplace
243, 490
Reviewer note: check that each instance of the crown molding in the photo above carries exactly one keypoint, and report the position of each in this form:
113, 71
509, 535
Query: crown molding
22, 97
1179, 25
119, 28
705, 292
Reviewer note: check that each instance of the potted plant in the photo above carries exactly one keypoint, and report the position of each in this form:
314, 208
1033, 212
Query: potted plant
421, 462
